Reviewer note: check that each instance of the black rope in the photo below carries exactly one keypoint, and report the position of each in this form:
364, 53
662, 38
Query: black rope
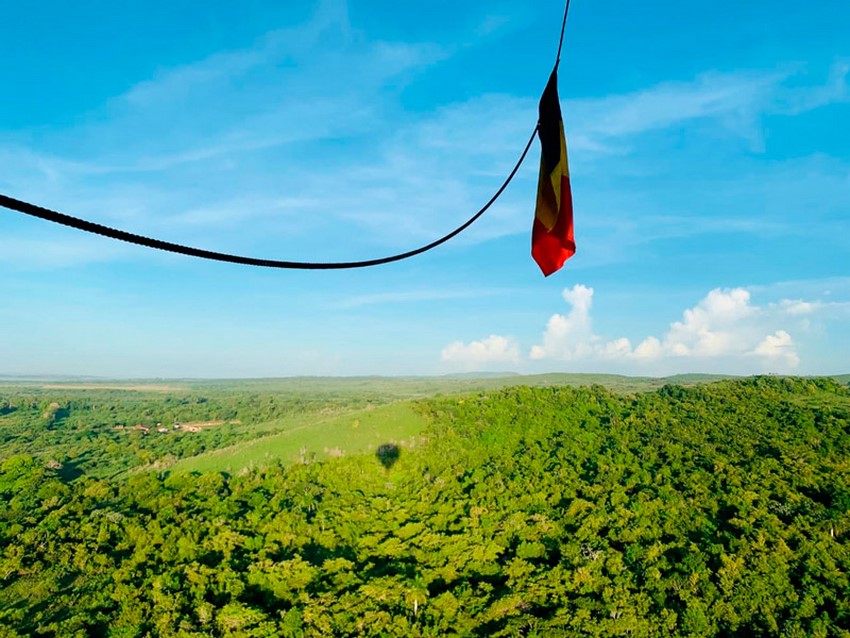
561, 39
122, 235
113, 233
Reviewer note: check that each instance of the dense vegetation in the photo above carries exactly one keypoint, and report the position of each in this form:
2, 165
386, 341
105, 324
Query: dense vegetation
717, 510
74, 426
94, 431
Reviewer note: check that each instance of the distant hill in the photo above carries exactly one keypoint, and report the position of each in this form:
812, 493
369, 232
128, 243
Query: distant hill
378, 387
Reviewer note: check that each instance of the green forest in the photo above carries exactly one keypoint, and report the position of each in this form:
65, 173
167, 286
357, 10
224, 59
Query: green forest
461, 508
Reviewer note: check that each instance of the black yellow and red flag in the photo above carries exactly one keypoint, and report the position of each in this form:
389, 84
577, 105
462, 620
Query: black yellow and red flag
552, 238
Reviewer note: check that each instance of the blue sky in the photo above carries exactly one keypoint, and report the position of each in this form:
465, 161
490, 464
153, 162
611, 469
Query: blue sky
709, 157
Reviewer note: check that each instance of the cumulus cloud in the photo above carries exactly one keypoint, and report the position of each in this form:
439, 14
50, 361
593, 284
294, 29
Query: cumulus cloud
725, 331
713, 327
567, 335
725, 326
493, 349
649, 348
570, 337
778, 346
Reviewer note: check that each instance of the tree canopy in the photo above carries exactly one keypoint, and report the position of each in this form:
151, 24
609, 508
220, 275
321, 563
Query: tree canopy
717, 510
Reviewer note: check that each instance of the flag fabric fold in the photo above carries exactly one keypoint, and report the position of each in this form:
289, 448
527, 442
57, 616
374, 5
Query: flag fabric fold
552, 238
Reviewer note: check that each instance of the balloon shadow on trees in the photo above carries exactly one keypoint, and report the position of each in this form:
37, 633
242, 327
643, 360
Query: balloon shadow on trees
387, 454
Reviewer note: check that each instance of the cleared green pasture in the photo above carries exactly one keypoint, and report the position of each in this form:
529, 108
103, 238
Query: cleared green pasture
316, 436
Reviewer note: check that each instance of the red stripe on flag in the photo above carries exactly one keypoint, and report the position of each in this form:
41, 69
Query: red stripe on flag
551, 249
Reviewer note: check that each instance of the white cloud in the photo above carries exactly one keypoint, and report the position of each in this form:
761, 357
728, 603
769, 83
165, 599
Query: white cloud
649, 348
798, 306
737, 100
616, 349
725, 327
778, 347
569, 336
475, 354
468, 147
716, 95
712, 327
817, 309
273, 93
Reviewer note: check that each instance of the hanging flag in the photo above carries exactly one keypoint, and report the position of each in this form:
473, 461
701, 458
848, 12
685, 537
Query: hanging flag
552, 239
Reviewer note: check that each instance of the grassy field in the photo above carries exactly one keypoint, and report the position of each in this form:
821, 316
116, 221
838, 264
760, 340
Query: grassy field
316, 436
320, 435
